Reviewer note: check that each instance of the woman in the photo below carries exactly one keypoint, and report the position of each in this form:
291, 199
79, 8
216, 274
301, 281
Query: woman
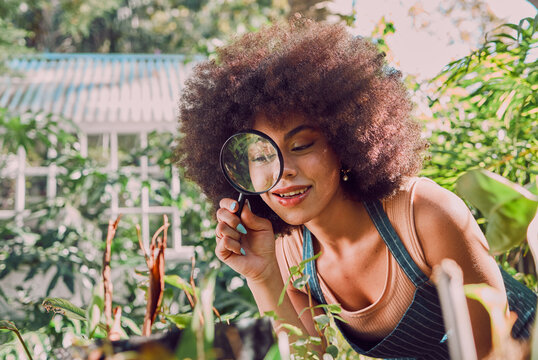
349, 190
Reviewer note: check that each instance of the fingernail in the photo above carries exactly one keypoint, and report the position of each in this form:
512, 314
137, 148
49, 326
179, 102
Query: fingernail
233, 206
241, 229
243, 252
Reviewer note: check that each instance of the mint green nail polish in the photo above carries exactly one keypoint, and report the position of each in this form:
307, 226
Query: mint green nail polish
241, 229
243, 252
233, 206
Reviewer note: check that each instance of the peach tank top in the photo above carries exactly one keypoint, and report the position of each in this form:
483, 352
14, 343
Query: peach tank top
380, 318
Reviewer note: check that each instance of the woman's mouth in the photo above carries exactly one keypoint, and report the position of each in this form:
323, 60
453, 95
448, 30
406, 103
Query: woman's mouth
291, 196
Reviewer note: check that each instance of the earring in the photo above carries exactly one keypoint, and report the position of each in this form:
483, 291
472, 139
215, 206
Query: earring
345, 174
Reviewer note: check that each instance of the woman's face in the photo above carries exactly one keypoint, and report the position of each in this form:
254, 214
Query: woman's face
310, 183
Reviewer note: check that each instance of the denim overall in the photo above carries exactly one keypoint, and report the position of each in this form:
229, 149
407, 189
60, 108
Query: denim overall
420, 334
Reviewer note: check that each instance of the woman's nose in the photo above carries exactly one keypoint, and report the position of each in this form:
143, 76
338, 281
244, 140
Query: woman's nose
290, 168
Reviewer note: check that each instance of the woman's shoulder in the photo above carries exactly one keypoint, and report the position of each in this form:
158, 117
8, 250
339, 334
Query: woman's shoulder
290, 246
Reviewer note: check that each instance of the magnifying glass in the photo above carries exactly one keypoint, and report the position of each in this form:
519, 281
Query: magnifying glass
252, 163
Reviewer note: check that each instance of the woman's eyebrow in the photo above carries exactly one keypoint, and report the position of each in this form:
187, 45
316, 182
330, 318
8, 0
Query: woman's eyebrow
299, 128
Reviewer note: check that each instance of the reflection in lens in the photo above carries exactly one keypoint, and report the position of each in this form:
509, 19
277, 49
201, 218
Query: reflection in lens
251, 162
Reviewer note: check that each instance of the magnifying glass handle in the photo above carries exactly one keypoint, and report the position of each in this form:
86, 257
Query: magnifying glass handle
241, 200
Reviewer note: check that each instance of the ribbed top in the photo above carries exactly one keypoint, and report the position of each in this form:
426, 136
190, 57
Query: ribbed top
380, 318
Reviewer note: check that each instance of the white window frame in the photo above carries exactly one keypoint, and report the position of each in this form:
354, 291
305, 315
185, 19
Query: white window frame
175, 251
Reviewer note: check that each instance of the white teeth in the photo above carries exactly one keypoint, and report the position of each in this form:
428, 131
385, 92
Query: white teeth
292, 193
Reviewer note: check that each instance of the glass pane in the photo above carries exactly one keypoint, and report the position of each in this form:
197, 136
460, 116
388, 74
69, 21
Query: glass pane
7, 194
36, 153
99, 148
155, 222
129, 149
159, 192
160, 147
129, 195
36, 190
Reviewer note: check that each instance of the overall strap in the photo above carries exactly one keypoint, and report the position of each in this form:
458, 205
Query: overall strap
394, 243
310, 267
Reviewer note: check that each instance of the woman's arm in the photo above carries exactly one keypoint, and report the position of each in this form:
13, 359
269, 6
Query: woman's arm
447, 229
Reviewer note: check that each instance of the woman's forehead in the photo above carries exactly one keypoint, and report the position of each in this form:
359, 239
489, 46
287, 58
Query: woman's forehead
282, 123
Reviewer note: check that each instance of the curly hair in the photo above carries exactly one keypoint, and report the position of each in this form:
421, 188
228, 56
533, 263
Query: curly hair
339, 82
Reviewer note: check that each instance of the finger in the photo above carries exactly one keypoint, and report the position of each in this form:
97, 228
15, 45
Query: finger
254, 222
229, 204
224, 229
226, 246
225, 216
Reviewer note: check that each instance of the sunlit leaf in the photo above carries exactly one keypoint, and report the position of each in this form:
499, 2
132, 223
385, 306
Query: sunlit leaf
64, 307
508, 207
294, 330
494, 301
180, 320
178, 282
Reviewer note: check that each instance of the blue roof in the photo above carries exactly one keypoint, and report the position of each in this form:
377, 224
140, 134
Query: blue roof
120, 92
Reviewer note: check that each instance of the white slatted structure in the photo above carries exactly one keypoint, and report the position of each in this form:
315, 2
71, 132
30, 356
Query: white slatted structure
108, 96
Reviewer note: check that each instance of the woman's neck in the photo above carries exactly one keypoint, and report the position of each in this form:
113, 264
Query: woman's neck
342, 223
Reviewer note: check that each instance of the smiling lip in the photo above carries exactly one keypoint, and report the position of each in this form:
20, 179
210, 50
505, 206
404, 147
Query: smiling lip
291, 200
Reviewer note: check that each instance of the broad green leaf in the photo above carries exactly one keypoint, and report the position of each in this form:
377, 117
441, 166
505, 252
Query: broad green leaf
64, 307
508, 207
508, 223
486, 190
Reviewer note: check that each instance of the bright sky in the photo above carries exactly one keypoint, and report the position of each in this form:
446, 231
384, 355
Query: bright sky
424, 53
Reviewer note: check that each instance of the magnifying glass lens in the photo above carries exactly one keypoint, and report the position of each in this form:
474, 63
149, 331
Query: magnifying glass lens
251, 162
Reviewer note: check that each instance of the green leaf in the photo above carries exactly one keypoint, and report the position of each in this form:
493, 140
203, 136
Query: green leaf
273, 353
334, 308
302, 263
283, 292
508, 223
301, 282
508, 207
486, 190
332, 350
64, 307
322, 319
294, 330
8, 325
316, 340
178, 282
180, 320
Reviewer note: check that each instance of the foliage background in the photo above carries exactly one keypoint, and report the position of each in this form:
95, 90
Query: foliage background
481, 113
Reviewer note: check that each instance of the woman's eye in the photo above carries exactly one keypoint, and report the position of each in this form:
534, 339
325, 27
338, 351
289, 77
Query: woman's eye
302, 147
265, 158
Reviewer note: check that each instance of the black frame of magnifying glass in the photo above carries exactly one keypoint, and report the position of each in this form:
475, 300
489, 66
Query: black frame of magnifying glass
266, 137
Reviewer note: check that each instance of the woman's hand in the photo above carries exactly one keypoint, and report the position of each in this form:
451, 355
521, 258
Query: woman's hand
251, 254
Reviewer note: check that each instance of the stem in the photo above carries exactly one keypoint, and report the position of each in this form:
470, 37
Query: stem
23, 343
